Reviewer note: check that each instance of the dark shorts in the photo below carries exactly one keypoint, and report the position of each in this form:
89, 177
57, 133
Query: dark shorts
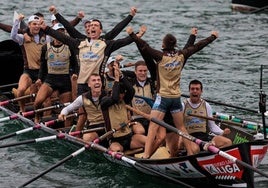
123, 140
164, 105
61, 83
82, 88
33, 74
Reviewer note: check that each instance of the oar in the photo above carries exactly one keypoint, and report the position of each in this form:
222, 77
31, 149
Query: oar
228, 105
37, 126
8, 85
215, 119
78, 133
101, 138
74, 154
54, 121
107, 134
227, 122
20, 132
246, 124
32, 112
30, 141
6, 102
14, 116
151, 102
199, 142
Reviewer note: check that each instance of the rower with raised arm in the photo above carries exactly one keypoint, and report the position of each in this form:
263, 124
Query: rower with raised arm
169, 66
93, 53
31, 53
115, 113
54, 74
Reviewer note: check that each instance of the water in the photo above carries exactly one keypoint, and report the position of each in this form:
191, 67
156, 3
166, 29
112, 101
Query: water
229, 69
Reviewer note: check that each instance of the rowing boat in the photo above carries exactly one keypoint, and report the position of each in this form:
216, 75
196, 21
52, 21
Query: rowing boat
204, 169
251, 6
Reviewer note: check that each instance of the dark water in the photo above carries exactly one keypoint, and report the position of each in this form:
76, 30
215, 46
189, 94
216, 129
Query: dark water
229, 69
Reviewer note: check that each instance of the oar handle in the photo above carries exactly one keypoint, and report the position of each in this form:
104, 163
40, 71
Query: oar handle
109, 133
215, 119
52, 122
8, 85
51, 107
78, 133
29, 113
23, 97
3, 103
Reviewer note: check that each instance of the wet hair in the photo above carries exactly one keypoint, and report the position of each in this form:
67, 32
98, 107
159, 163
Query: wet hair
196, 82
170, 42
39, 14
140, 62
96, 20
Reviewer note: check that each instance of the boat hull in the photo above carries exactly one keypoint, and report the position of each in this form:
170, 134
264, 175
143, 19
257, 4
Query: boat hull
248, 5
208, 169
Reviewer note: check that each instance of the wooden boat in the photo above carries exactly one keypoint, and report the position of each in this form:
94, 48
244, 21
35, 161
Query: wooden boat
249, 5
205, 168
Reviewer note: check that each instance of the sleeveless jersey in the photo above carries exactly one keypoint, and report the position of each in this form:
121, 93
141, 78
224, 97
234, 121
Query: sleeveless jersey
195, 124
91, 57
58, 59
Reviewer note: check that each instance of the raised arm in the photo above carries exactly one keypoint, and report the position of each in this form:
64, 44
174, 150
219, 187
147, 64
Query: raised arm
144, 46
14, 31
199, 45
121, 25
191, 38
190, 41
74, 33
65, 39
7, 28
78, 18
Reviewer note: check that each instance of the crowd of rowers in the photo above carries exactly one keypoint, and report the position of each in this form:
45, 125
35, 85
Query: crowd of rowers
78, 68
